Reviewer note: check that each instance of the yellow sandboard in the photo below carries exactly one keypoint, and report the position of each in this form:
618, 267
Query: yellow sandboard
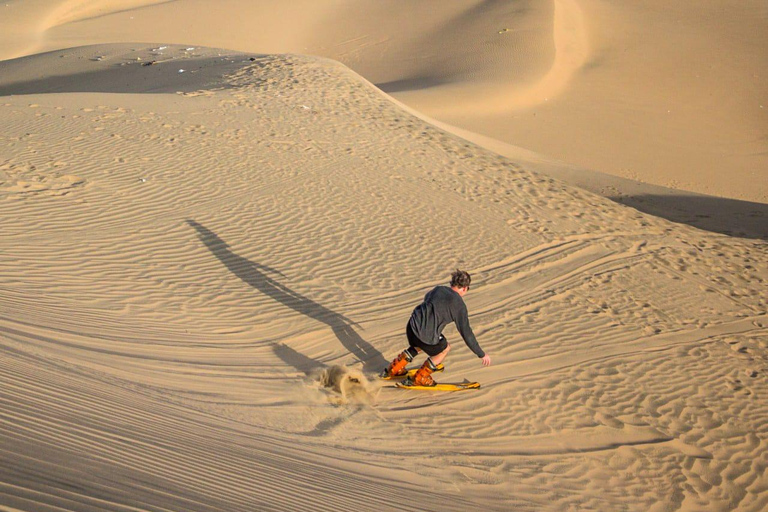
440, 386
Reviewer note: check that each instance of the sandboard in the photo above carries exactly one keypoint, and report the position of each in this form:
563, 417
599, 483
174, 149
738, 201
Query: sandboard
411, 373
443, 386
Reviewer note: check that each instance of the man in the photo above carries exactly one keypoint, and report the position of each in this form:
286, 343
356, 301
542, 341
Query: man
441, 306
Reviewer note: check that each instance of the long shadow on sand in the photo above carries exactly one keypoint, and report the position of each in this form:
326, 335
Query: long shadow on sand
254, 275
302, 363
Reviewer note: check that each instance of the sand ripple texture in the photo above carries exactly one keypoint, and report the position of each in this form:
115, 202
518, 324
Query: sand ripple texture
197, 288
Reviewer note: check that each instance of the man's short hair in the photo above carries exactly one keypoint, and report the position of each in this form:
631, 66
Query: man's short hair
460, 279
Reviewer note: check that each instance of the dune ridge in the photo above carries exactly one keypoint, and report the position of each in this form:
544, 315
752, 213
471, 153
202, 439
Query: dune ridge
656, 94
183, 255
489, 97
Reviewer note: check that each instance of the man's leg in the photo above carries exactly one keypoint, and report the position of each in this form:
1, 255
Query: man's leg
423, 376
398, 364
441, 356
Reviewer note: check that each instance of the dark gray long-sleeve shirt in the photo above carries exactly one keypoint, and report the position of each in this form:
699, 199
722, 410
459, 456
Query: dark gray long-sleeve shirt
441, 306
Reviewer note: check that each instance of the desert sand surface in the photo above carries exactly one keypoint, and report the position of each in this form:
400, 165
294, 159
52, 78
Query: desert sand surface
207, 255
673, 96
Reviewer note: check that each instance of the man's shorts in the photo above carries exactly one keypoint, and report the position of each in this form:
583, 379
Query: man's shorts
430, 350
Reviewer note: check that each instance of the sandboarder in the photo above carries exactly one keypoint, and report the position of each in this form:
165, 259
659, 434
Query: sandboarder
441, 306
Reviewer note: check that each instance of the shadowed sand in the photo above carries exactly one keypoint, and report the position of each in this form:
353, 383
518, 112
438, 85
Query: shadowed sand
256, 276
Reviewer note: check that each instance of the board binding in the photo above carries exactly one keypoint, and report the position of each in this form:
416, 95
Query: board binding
411, 373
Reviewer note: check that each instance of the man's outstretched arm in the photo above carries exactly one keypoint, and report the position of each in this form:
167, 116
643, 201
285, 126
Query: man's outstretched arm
462, 324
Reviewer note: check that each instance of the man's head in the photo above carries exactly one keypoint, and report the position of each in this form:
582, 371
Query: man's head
460, 281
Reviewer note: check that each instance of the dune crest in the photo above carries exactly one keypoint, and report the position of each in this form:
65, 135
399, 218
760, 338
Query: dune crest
73, 11
571, 50
670, 96
485, 98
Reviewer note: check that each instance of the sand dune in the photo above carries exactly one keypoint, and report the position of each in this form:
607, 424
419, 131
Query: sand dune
669, 95
202, 271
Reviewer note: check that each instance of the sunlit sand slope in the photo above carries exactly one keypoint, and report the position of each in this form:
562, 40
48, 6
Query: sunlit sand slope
201, 272
668, 94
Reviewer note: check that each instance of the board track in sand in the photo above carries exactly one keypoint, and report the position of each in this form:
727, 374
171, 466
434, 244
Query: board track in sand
198, 280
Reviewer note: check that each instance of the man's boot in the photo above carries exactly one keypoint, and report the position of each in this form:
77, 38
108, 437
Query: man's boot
423, 377
397, 367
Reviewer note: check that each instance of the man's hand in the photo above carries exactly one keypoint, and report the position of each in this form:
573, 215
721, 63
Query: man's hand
486, 360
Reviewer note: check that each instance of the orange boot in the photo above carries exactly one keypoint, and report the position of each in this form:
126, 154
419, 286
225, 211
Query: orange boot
397, 366
423, 377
